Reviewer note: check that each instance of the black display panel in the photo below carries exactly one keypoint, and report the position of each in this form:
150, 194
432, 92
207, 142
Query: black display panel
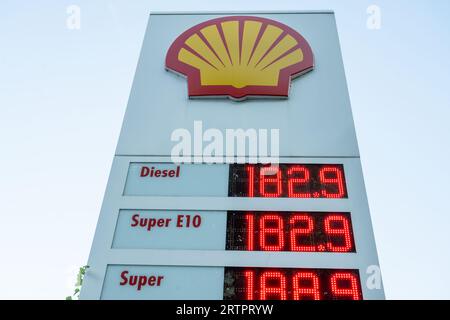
287, 181
249, 283
289, 231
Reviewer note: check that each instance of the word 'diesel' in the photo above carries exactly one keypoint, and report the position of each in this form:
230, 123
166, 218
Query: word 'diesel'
158, 173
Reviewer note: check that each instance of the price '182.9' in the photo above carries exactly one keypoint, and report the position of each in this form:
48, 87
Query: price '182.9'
288, 181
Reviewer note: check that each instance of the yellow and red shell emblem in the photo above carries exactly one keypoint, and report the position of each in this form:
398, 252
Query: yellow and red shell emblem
240, 56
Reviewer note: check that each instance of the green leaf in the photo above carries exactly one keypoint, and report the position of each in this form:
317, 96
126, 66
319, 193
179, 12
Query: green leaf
79, 279
79, 282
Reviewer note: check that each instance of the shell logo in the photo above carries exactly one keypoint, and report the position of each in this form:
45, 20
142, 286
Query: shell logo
240, 57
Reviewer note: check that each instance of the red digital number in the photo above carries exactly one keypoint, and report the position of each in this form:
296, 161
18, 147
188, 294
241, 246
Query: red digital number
311, 290
251, 181
269, 234
297, 232
267, 179
294, 180
269, 291
250, 231
345, 285
342, 230
249, 283
335, 179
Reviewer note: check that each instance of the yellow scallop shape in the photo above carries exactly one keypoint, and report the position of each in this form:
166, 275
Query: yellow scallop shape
253, 56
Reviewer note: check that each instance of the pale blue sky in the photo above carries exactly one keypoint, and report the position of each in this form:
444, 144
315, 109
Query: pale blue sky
63, 94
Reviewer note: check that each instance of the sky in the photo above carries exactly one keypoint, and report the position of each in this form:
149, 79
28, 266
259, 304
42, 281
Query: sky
63, 94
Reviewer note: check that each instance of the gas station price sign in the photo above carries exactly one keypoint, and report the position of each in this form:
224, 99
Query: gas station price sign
285, 180
235, 231
296, 229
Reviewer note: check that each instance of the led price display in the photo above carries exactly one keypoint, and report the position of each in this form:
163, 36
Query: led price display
289, 231
287, 181
291, 284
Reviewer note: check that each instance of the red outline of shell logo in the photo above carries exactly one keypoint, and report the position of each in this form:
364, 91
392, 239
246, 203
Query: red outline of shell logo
240, 57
